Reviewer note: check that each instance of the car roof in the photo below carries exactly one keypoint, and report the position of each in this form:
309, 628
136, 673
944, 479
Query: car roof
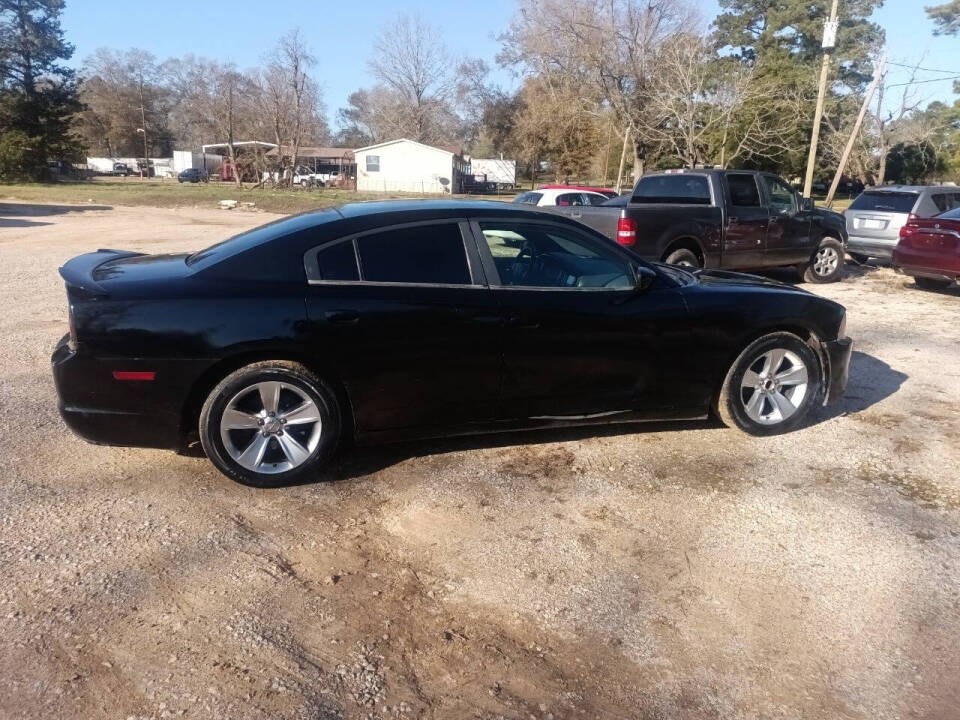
903, 188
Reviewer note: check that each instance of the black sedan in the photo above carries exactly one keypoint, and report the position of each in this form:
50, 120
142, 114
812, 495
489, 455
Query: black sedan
389, 320
193, 175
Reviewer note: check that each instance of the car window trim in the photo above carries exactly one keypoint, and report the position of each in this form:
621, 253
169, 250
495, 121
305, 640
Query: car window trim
474, 267
493, 275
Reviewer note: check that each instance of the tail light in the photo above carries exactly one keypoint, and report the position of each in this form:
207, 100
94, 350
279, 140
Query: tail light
626, 231
72, 343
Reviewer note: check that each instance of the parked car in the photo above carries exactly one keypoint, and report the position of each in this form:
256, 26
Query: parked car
563, 197
874, 219
929, 250
395, 319
608, 192
193, 175
121, 169
733, 219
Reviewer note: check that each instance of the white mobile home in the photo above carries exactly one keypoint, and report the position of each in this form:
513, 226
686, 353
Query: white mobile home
408, 166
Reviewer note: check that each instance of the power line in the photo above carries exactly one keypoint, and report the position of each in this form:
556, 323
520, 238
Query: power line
921, 82
915, 67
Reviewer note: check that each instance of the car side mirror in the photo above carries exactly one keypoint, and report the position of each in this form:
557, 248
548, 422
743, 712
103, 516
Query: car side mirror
644, 277
806, 204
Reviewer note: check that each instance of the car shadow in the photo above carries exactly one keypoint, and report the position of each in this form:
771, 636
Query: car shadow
871, 381
10, 212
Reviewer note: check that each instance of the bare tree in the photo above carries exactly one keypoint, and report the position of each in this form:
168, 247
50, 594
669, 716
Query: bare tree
417, 71
609, 49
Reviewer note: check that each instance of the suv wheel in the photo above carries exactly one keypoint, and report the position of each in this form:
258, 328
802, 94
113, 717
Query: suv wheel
771, 386
270, 424
826, 265
682, 257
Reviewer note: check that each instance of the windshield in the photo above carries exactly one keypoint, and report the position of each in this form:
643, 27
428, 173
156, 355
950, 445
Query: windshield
885, 201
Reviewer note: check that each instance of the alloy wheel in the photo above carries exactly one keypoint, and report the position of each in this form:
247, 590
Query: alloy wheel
774, 386
270, 427
826, 260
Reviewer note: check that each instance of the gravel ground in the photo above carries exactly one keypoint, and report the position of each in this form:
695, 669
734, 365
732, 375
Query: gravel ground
669, 571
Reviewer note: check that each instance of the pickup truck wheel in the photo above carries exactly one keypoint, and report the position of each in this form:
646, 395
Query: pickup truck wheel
771, 386
826, 265
682, 257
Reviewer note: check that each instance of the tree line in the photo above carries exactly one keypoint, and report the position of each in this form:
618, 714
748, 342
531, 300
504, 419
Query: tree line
606, 89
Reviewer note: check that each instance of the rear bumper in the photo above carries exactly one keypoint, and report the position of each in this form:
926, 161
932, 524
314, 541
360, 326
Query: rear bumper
920, 262
105, 411
837, 353
872, 246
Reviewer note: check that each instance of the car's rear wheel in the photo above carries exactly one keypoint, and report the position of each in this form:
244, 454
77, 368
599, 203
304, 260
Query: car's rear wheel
771, 386
683, 257
270, 423
826, 264
925, 283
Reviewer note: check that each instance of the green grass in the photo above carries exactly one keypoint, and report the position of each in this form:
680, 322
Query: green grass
154, 192
169, 193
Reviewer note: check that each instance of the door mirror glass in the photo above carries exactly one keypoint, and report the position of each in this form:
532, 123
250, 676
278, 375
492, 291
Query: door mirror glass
644, 277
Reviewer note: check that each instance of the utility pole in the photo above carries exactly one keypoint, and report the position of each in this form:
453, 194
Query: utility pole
623, 159
829, 42
856, 128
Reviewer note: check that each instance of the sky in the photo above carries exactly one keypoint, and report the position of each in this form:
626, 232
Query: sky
340, 34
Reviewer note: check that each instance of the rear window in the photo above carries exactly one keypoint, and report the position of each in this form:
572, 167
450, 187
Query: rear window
528, 198
619, 201
432, 254
675, 189
951, 214
883, 201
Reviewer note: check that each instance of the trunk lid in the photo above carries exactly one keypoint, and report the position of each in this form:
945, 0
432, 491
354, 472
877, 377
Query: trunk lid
880, 213
105, 272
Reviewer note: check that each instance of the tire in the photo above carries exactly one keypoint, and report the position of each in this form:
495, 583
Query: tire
742, 404
925, 283
683, 257
859, 258
826, 263
265, 450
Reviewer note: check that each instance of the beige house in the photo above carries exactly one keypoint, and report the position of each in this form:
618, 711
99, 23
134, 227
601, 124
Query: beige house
408, 166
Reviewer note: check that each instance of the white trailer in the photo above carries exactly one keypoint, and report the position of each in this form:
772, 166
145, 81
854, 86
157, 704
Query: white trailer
186, 159
499, 171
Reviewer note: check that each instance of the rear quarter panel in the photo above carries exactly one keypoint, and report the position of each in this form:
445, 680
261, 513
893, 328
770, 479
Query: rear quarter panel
659, 225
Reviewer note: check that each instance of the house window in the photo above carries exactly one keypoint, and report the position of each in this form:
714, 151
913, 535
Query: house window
373, 163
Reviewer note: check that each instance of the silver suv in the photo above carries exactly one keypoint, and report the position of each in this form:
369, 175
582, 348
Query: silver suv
874, 219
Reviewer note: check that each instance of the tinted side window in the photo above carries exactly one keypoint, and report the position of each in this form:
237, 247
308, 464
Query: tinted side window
338, 262
884, 201
946, 201
593, 199
743, 190
545, 256
424, 254
677, 189
782, 197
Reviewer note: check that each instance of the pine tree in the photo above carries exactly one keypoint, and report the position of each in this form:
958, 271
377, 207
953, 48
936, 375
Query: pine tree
38, 95
946, 17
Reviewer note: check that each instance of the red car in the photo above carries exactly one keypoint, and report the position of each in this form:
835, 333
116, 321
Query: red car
603, 191
929, 250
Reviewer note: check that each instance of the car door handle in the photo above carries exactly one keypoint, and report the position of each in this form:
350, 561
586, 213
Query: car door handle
732, 219
481, 318
522, 322
342, 317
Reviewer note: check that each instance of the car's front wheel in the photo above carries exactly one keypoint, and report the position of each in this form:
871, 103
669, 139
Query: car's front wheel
270, 423
826, 265
771, 385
